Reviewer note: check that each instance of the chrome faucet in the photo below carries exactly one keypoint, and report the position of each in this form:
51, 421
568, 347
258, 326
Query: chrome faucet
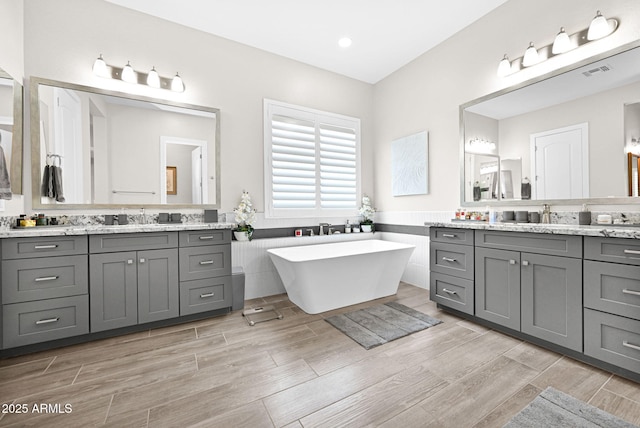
310, 232
322, 225
546, 214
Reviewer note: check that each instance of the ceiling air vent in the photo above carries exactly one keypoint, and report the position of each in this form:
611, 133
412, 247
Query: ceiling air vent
597, 70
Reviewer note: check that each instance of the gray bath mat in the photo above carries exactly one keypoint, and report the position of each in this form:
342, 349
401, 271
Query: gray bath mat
553, 408
380, 324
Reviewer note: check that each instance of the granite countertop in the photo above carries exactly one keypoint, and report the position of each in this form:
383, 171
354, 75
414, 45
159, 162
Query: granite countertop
63, 230
601, 230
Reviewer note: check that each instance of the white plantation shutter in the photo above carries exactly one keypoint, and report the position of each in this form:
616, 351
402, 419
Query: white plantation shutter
311, 162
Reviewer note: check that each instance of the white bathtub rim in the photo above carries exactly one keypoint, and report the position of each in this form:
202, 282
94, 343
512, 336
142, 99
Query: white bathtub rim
296, 254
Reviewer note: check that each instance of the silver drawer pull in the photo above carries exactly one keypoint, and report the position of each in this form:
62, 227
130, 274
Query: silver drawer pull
512, 262
449, 291
142, 260
448, 235
630, 345
634, 252
627, 291
205, 238
45, 247
47, 321
130, 262
207, 262
204, 296
449, 259
525, 263
52, 278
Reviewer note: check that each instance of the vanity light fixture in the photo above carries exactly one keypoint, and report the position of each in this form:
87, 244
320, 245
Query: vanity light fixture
176, 84
504, 67
599, 28
531, 56
477, 145
153, 78
100, 67
128, 74
562, 43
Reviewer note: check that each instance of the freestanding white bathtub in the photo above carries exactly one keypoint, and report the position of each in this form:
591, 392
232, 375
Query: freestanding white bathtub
323, 277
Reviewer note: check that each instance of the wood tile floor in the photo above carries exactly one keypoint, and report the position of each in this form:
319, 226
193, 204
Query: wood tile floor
300, 372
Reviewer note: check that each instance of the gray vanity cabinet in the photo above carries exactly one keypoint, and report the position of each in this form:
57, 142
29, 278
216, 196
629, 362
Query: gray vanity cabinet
551, 289
44, 289
612, 301
205, 271
113, 290
133, 287
498, 286
451, 263
531, 283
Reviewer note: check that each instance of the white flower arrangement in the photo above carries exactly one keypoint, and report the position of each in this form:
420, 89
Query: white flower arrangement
245, 214
366, 210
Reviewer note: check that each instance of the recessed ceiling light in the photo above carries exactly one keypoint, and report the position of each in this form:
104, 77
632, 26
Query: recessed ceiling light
344, 42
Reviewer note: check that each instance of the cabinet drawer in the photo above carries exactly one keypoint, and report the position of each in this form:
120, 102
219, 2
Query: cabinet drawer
456, 293
196, 238
452, 259
20, 248
612, 288
205, 262
132, 242
616, 250
540, 243
452, 236
36, 279
205, 295
44, 320
613, 339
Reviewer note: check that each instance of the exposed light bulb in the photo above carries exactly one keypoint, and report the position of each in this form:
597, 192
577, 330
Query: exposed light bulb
562, 43
128, 74
153, 78
100, 67
176, 84
531, 56
598, 28
504, 67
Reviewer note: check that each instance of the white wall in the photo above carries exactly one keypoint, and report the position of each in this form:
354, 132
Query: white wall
426, 94
63, 38
11, 38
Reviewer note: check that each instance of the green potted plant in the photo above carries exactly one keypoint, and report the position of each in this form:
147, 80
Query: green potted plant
367, 212
245, 216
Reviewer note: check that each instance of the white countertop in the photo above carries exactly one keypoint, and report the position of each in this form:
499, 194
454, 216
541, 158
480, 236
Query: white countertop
102, 229
601, 230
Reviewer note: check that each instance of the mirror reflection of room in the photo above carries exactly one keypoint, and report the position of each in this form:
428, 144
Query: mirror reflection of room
102, 149
568, 132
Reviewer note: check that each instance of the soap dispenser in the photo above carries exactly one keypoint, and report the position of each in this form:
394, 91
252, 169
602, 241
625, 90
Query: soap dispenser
584, 216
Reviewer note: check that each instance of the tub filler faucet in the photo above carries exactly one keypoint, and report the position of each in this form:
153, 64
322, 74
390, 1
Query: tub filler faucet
322, 225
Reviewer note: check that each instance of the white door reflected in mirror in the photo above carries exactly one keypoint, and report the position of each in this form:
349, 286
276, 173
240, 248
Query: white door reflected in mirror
188, 182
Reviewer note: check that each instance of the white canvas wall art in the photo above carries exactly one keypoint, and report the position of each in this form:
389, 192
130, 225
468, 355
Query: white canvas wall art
409, 165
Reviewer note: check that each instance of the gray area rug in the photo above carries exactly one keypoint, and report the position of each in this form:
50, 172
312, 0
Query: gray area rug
553, 408
380, 324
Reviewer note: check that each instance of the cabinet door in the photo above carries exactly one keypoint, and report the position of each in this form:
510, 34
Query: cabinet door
497, 294
113, 290
552, 299
158, 285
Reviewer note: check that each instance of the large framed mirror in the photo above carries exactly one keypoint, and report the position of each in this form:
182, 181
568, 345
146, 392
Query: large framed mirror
93, 148
560, 139
11, 126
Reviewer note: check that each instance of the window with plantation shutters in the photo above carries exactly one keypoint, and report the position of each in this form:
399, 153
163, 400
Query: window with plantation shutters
312, 166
